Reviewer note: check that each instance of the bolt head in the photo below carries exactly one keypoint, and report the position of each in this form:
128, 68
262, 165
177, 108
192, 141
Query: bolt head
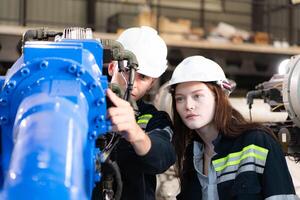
44, 64
25, 72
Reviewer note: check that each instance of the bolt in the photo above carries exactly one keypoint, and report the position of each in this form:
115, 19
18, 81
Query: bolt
44, 64
93, 135
3, 119
11, 84
80, 72
100, 118
99, 102
93, 85
25, 72
3, 102
103, 127
72, 68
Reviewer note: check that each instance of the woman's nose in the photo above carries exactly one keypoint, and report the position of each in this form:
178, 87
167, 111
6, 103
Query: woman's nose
190, 105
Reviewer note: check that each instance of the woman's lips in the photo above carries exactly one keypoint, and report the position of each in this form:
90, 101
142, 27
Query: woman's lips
191, 116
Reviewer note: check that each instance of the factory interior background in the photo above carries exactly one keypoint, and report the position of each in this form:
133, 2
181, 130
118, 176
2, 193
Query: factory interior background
251, 39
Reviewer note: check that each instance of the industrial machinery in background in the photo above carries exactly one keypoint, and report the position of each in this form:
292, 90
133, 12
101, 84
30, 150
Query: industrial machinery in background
282, 93
52, 111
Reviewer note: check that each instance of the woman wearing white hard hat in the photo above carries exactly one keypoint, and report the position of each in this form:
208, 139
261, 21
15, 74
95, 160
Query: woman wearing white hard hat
145, 148
219, 154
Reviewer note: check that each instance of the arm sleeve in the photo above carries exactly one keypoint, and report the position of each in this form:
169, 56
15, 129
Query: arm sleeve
161, 154
276, 179
270, 178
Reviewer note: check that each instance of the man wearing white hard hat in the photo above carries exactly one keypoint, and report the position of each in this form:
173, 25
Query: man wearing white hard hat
145, 148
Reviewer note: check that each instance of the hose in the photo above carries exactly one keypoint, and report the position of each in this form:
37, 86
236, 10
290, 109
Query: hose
112, 170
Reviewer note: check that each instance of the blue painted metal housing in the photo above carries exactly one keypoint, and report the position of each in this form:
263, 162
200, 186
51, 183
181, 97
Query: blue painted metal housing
52, 108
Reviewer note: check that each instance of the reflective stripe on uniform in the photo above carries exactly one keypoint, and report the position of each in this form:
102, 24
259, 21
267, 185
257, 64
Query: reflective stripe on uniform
251, 158
283, 197
166, 129
169, 131
233, 175
144, 119
235, 158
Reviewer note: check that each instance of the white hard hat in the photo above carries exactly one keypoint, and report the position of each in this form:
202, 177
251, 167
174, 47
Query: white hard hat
199, 68
149, 49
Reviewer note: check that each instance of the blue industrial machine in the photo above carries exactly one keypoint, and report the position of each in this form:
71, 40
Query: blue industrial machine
52, 109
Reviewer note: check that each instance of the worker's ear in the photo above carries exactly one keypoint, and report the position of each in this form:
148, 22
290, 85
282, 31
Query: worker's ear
111, 68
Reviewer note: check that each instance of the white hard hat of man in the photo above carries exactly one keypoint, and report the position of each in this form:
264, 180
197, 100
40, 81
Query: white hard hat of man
149, 49
199, 68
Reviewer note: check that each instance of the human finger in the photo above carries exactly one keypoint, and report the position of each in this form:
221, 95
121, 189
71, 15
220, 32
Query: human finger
117, 101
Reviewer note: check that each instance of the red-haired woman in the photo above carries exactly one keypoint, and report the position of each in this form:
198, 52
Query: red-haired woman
219, 154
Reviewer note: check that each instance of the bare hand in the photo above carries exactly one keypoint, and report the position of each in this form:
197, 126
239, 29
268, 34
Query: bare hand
123, 122
123, 118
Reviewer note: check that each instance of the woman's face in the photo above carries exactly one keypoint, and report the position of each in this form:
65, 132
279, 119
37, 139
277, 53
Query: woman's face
195, 104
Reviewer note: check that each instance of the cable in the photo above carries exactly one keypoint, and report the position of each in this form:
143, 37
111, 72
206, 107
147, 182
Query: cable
277, 86
276, 107
106, 152
110, 142
112, 190
124, 78
250, 96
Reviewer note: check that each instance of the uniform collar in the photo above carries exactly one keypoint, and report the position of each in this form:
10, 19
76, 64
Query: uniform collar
216, 141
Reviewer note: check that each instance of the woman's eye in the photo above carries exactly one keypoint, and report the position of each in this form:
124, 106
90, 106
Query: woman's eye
198, 96
178, 99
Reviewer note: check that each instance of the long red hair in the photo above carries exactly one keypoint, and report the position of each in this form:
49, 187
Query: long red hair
228, 121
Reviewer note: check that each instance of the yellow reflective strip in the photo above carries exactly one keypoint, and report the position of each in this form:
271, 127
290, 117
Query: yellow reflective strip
235, 162
146, 116
238, 154
142, 121
261, 149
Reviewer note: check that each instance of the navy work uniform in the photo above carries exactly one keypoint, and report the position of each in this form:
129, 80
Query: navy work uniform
139, 172
249, 167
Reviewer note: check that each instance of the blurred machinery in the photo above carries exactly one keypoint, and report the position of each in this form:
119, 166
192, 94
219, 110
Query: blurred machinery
52, 111
282, 93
